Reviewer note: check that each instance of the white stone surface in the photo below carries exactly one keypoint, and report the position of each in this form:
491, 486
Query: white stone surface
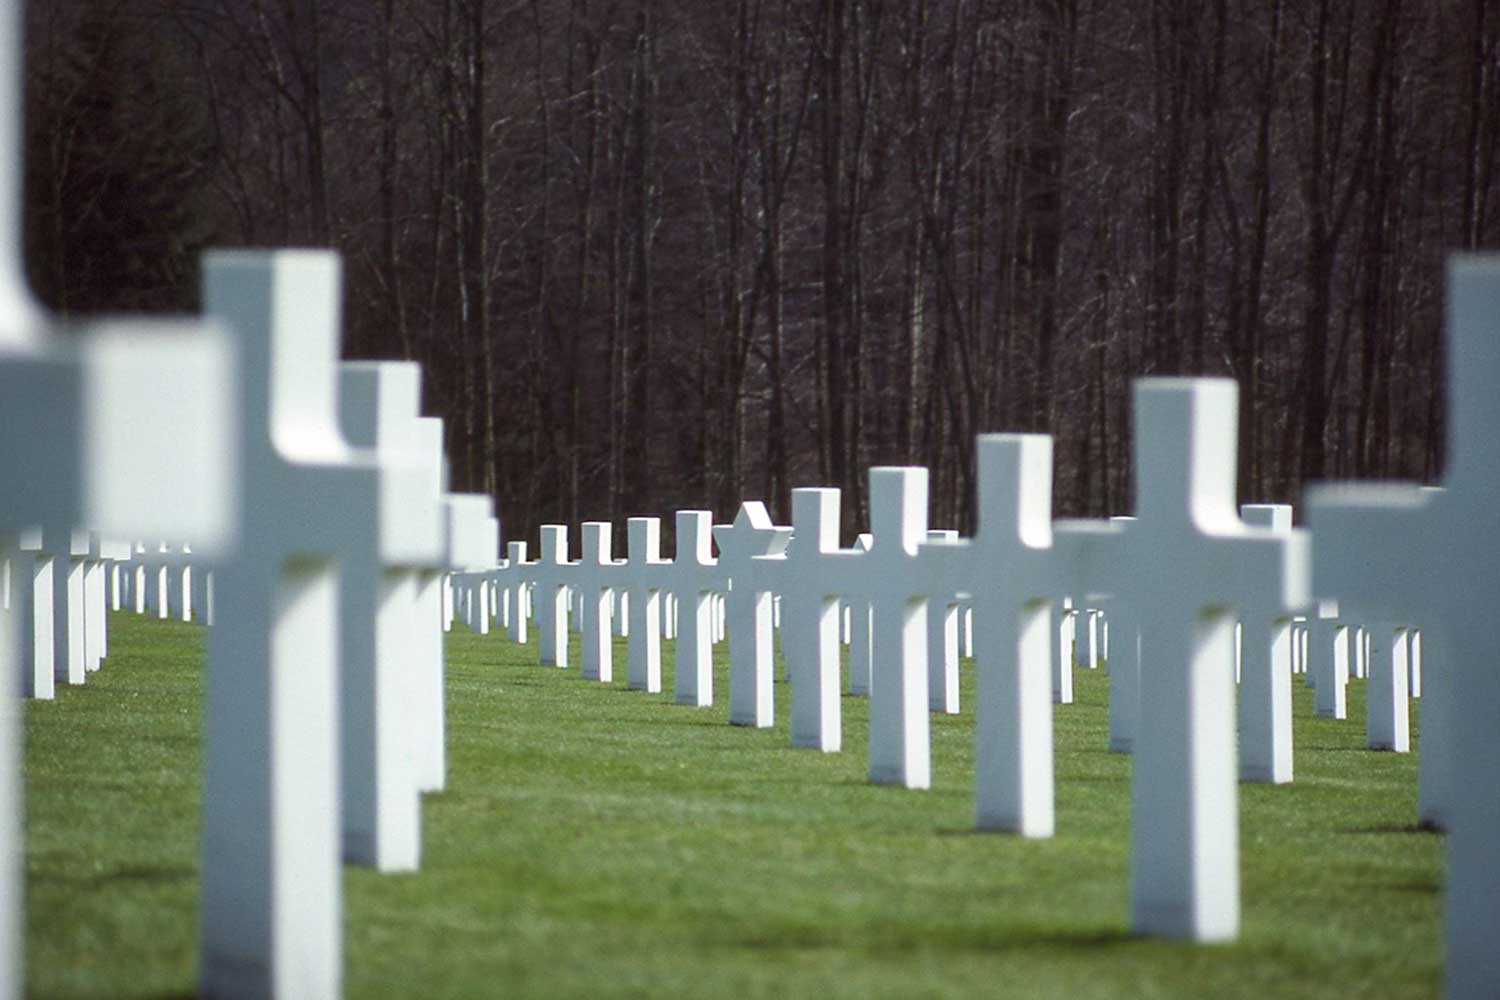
645, 578
1438, 773
1266, 645
138, 574
620, 612
125, 426
1328, 651
379, 676
432, 586
692, 579
811, 587
595, 579
1186, 563
96, 600
1124, 653
472, 546
752, 555
1010, 571
69, 548
517, 566
1063, 623
861, 656
31, 596
551, 576
1087, 647
270, 914
1403, 552
942, 641
888, 577
1387, 712
1414, 662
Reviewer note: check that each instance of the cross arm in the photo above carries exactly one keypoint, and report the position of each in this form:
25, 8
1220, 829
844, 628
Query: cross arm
473, 533
109, 425
1086, 553
948, 567
1372, 546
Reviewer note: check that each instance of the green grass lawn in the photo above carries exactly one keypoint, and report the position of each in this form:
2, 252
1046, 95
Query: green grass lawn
595, 841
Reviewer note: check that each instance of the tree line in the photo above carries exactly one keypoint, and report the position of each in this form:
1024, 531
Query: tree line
655, 255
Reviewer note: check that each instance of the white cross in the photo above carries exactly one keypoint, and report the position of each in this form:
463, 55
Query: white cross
812, 582
752, 554
473, 544
379, 684
1011, 569
860, 653
1373, 555
69, 547
426, 644
1265, 695
1186, 563
1124, 668
645, 576
513, 577
152, 578
597, 575
1088, 625
102, 554
551, 575
1328, 646
886, 576
1387, 707
942, 640
271, 895
1064, 624
692, 578
30, 615
1395, 550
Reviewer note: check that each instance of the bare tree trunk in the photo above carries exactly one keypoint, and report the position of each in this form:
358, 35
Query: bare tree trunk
642, 211
832, 32
1328, 212
389, 165
474, 234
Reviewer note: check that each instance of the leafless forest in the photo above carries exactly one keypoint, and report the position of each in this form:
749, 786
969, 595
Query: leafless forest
674, 254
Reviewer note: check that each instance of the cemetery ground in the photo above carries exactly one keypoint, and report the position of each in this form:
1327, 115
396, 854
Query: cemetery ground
594, 841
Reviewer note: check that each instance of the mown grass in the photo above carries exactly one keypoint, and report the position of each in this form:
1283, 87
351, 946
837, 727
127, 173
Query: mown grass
595, 842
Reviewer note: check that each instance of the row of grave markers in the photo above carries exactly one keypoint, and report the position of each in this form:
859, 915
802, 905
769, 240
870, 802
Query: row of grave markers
1180, 573
228, 430
1326, 652
278, 602
1002, 762
316, 499
596, 619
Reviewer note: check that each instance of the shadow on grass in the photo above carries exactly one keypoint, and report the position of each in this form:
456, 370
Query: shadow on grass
161, 874
887, 942
1006, 836
653, 721
1382, 828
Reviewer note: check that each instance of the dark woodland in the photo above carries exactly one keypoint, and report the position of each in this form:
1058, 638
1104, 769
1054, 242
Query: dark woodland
665, 255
